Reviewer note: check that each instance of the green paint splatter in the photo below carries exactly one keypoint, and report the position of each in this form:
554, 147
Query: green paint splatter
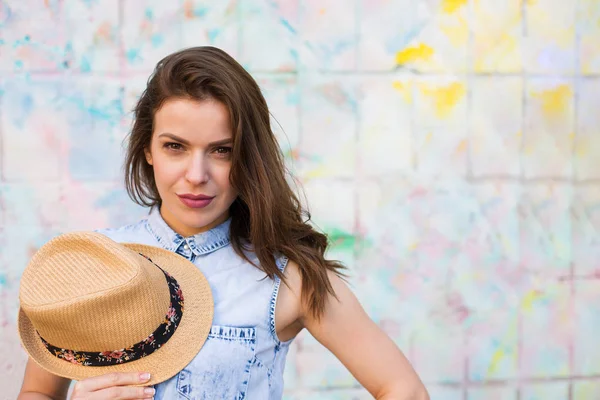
341, 240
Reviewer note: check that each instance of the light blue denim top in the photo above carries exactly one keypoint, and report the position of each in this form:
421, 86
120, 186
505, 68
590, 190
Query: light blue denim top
242, 357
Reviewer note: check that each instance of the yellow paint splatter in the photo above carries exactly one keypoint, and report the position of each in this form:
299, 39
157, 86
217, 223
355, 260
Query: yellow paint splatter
585, 390
509, 336
503, 240
582, 147
414, 53
450, 6
462, 146
398, 86
428, 138
555, 101
561, 249
504, 55
445, 98
458, 33
529, 299
496, 359
404, 89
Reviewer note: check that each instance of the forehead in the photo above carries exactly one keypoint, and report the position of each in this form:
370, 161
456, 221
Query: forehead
193, 120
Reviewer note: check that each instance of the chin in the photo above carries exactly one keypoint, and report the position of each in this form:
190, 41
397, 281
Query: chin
200, 218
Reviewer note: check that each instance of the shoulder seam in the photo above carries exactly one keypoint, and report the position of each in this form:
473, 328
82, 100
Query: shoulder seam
281, 264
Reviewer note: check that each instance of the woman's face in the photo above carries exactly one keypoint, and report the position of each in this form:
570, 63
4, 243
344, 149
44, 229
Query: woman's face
190, 153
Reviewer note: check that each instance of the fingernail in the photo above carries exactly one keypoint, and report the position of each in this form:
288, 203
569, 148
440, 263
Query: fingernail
144, 376
149, 391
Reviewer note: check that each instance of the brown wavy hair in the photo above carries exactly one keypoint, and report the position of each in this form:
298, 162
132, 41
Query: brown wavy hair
267, 217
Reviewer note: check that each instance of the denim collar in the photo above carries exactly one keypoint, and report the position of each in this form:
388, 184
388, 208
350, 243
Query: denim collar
201, 243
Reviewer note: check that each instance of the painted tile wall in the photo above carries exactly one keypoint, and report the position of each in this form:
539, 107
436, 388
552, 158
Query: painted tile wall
449, 147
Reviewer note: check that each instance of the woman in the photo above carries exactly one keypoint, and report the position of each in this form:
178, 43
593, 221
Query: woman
203, 157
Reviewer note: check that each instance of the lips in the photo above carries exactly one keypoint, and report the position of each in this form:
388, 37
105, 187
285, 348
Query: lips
195, 196
195, 200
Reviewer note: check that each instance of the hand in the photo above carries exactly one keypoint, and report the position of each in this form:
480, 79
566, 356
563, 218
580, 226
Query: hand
116, 385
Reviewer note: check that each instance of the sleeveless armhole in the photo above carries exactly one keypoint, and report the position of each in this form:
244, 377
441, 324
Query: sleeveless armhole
281, 263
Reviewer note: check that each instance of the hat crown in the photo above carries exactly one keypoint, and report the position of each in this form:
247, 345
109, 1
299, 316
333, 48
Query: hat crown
84, 292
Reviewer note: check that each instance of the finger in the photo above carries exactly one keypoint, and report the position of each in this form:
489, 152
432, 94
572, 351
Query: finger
110, 380
123, 393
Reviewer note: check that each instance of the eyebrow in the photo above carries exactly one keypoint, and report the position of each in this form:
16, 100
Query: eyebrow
185, 142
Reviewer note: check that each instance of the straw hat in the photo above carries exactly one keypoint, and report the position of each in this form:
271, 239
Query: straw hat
90, 306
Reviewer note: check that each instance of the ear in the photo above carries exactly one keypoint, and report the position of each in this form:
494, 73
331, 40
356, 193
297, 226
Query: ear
148, 156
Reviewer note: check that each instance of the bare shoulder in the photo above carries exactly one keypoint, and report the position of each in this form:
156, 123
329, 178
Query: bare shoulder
289, 310
292, 312
293, 278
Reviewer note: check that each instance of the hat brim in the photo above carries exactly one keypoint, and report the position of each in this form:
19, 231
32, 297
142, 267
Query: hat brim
163, 363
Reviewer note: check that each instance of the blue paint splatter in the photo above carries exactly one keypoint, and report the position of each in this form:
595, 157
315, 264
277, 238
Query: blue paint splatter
410, 35
22, 42
157, 39
288, 26
67, 55
27, 104
111, 112
293, 99
149, 14
213, 34
85, 64
5, 13
200, 11
133, 55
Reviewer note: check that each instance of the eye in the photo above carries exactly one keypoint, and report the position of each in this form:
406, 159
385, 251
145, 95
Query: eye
223, 150
173, 146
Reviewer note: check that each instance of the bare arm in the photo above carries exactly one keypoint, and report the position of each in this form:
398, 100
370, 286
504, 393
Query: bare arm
39, 384
364, 349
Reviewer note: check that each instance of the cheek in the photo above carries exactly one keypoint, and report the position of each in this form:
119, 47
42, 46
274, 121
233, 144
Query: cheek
166, 173
221, 177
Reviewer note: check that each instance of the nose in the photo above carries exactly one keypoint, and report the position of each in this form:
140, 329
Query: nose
198, 170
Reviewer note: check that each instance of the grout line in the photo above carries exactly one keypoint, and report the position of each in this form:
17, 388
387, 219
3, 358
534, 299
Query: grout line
523, 75
576, 106
2, 155
469, 81
239, 33
466, 363
358, 117
385, 178
120, 40
489, 383
390, 72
